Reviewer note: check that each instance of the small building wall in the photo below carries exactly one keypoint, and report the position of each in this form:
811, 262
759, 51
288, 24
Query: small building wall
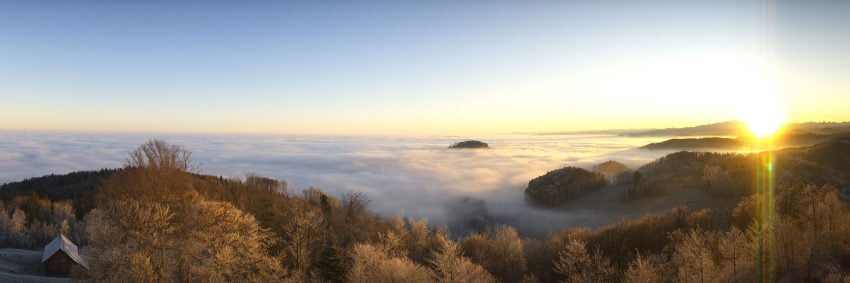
60, 264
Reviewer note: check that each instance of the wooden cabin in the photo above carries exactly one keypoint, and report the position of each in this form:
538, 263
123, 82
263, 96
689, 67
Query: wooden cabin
61, 256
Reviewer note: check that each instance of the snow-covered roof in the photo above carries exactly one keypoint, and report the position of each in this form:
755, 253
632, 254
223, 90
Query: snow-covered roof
63, 244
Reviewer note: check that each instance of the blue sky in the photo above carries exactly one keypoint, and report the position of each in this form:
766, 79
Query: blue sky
407, 67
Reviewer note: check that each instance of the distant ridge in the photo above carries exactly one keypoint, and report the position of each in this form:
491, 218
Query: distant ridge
728, 128
739, 129
697, 144
589, 132
732, 128
782, 140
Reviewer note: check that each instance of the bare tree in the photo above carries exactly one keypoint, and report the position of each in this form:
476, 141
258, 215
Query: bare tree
264, 183
158, 154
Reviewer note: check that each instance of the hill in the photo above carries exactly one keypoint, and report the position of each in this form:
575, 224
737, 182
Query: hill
77, 187
562, 185
470, 144
717, 174
733, 174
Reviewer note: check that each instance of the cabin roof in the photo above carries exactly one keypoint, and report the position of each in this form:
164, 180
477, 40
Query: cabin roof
66, 246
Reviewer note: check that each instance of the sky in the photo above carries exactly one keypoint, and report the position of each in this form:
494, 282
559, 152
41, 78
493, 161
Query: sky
417, 67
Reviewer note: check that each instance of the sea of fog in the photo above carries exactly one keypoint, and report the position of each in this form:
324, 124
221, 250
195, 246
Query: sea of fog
409, 176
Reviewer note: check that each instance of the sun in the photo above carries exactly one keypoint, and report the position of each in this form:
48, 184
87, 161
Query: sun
760, 104
766, 126
764, 119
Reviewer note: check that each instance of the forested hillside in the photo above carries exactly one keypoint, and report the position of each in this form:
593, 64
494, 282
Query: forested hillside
158, 220
732, 174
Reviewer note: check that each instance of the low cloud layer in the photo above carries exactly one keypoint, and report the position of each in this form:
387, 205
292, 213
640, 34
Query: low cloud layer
416, 177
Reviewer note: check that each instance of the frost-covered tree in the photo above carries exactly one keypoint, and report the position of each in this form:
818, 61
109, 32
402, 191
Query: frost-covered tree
418, 240
643, 270
577, 265
301, 236
737, 255
13, 228
392, 244
693, 258
132, 241
221, 243
140, 241
372, 264
502, 254
449, 266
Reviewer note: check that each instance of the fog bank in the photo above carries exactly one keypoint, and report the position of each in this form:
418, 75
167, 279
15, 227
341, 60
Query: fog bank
411, 176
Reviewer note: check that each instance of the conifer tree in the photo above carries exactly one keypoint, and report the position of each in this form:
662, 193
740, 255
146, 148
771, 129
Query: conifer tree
331, 262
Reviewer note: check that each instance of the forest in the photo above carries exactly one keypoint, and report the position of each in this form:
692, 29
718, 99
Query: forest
157, 219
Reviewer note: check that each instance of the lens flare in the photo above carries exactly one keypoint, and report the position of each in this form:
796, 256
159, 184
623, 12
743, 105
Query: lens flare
765, 216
